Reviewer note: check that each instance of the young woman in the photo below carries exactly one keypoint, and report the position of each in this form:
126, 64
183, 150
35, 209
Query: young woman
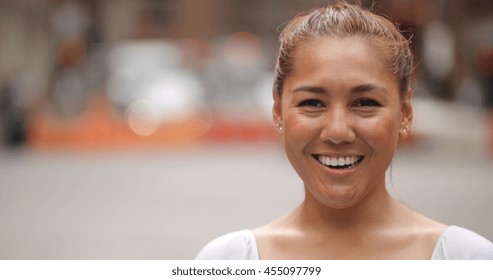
342, 103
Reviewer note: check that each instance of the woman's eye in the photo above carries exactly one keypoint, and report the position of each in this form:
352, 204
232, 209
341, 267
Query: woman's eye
365, 102
311, 103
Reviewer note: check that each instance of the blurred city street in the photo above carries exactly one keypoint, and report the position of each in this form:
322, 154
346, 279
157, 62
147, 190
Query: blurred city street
166, 204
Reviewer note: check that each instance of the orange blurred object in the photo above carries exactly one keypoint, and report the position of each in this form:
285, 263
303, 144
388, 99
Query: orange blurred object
98, 127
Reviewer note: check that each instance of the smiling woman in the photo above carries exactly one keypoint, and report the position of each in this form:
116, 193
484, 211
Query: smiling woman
358, 113
342, 104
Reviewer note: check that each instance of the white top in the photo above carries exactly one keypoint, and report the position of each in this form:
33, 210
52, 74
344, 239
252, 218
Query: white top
455, 243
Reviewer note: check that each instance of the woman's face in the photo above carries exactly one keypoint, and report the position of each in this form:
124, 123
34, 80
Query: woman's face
341, 117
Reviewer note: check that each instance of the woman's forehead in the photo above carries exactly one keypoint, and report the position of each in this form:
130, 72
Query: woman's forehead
345, 49
351, 60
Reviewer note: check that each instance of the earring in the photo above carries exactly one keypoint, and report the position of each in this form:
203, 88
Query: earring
406, 128
279, 126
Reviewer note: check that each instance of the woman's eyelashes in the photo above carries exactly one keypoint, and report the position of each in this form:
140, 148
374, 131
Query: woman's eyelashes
366, 102
363, 102
311, 103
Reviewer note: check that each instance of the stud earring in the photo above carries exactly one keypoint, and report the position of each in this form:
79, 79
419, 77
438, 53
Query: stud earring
406, 129
279, 126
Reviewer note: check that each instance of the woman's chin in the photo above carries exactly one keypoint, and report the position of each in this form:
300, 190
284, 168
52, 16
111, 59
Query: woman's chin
338, 199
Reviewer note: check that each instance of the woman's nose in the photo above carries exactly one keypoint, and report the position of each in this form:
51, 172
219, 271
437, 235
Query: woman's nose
337, 127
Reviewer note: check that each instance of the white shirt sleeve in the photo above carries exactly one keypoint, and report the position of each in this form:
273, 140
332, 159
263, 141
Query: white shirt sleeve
458, 243
239, 245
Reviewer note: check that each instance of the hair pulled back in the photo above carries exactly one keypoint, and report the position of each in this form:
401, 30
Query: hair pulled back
338, 21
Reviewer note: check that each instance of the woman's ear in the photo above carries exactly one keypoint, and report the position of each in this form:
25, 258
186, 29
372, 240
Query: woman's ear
406, 115
277, 110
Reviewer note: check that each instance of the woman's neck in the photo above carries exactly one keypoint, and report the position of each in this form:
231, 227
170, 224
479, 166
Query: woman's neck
376, 210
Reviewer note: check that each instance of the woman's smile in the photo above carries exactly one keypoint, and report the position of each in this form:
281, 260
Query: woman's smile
339, 162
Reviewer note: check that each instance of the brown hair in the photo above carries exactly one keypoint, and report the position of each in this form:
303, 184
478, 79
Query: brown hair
342, 20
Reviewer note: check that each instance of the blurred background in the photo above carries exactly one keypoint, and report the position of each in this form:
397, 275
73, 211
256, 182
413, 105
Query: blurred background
141, 129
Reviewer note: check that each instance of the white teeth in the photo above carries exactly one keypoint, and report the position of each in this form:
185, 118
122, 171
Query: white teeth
338, 161
347, 160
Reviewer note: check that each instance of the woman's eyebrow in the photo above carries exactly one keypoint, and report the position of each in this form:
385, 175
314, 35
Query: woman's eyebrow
355, 90
309, 88
365, 88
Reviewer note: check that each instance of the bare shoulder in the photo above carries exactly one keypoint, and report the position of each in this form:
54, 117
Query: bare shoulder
426, 230
415, 232
273, 229
411, 217
272, 238
429, 226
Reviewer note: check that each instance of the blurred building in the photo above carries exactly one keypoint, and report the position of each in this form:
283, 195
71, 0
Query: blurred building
66, 65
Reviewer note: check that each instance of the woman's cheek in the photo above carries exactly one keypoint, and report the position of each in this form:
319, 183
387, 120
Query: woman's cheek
382, 130
298, 127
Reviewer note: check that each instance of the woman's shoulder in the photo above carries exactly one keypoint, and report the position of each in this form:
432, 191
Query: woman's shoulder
238, 245
457, 243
